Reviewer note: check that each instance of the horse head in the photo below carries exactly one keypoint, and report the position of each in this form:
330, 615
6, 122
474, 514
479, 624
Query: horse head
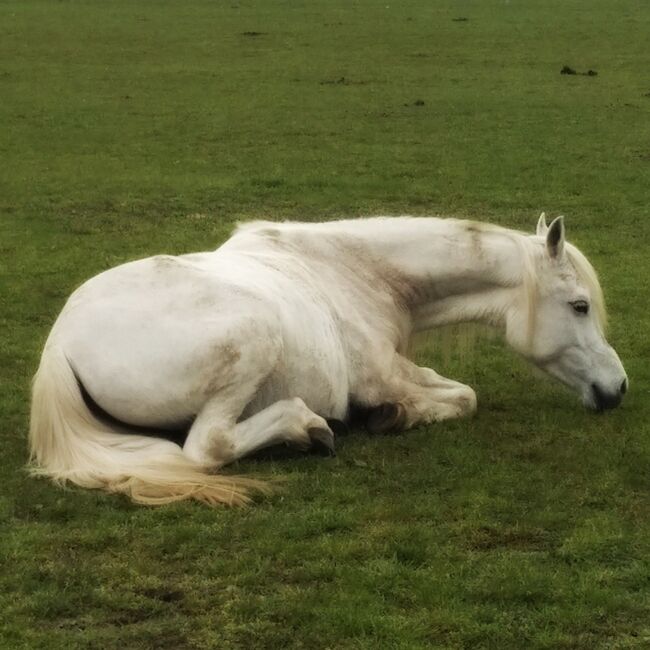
562, 327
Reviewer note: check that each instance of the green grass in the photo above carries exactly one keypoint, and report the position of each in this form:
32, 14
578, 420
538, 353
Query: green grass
130, 128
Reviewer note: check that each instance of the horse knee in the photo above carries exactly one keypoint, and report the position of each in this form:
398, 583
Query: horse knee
467, 401
443, 405
211, 451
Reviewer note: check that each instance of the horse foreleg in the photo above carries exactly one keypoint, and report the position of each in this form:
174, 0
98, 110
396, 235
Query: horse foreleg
216, 439
411, 395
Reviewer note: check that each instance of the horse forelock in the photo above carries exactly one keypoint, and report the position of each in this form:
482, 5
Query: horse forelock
588, 276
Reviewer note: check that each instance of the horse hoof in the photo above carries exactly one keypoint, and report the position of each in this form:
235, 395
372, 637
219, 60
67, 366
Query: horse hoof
386, 418
322, 441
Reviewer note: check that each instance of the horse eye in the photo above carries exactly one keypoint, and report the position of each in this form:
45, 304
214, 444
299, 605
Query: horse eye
580, 306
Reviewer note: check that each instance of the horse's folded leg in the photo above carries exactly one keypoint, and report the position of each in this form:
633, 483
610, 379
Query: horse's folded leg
217, 440
386, 418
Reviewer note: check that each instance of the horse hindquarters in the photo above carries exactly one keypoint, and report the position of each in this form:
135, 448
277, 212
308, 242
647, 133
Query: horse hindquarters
157, 342
67, 443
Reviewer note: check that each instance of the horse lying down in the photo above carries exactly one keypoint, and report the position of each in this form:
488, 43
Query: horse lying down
287, 325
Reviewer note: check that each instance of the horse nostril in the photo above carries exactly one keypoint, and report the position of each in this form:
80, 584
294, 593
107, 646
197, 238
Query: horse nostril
624, 387
604, 400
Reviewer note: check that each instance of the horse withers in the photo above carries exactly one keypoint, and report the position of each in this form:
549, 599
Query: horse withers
287, 325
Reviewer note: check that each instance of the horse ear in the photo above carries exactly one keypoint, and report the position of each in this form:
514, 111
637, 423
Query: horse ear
542, 228
555, 238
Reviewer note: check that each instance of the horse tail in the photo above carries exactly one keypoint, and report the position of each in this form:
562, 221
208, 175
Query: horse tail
69, 444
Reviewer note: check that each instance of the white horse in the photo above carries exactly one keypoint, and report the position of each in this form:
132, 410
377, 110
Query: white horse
287, 324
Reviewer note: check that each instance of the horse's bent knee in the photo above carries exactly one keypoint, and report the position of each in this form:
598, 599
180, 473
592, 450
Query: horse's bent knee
467, 401
437, 406
463, 404
212, 452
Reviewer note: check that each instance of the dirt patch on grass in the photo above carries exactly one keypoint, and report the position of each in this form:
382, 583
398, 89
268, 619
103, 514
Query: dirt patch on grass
571, 71
162, 594
343, 81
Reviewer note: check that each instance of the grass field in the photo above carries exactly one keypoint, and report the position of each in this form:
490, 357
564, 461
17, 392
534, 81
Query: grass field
131, 128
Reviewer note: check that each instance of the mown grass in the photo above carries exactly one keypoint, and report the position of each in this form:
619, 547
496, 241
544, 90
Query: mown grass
134, 128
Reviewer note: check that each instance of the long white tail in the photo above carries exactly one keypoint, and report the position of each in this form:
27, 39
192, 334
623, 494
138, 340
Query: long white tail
68, 443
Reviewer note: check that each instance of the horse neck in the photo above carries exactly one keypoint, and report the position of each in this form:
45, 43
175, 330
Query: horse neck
453, 271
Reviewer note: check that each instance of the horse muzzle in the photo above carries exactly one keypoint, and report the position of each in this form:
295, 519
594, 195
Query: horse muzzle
604, 400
